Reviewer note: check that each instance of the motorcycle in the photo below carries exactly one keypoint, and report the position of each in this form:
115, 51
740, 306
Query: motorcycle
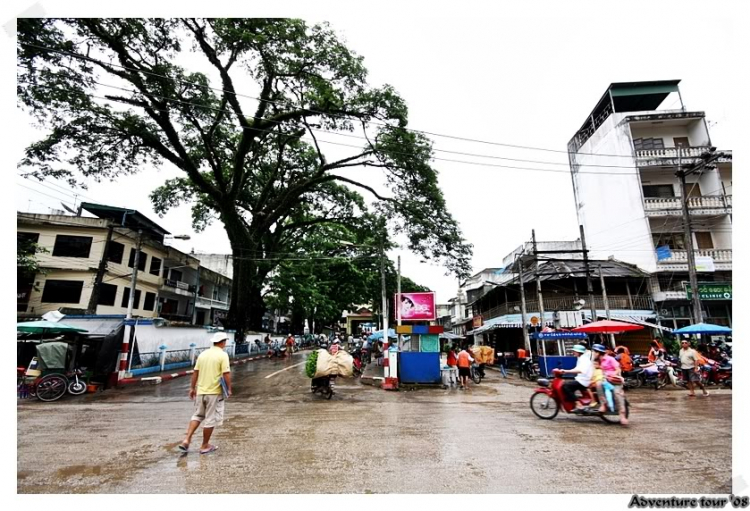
324, 385
357, 365
274, 350
528, 370
549, 398
634, 378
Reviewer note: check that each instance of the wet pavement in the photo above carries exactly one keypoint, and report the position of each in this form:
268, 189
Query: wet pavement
279, 438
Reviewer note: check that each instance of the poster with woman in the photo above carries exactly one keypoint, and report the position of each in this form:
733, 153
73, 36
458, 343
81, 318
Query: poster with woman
416, 306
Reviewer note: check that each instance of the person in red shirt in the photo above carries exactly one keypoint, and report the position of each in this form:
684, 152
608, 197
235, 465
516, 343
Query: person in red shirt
623, 356
289, 346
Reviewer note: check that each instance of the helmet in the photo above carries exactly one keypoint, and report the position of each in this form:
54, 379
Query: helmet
579, 349
336, 341
599, 347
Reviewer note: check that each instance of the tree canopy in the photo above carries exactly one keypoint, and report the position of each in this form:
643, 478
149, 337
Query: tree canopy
116, 98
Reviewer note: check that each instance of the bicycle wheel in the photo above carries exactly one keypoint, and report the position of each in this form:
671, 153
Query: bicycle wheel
51, 387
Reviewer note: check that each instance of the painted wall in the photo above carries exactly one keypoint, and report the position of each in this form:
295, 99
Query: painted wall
150, 337
610, 199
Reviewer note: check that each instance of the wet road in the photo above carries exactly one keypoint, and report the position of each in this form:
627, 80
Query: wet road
278, 438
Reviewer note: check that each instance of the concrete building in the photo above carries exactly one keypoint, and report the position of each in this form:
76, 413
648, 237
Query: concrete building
623, 162
565, 297
78, 276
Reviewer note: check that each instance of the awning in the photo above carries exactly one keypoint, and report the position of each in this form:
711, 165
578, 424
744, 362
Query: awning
638, 321
512, 321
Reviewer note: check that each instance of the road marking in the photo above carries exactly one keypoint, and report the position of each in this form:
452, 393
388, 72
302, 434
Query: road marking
286, 369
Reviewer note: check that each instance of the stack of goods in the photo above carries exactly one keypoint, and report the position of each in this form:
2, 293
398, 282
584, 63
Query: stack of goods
483, 355
321, 363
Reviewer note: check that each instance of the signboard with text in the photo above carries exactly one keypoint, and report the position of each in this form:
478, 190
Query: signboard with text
711, 291
416, 306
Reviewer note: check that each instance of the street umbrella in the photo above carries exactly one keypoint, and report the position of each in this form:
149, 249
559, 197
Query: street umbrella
704, 328
46, 327
379, 335
607, 327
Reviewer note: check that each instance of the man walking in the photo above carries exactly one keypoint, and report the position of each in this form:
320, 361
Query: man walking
691, 368
206, 389
464, 366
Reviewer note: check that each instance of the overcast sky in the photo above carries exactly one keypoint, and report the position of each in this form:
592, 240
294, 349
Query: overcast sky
521, 78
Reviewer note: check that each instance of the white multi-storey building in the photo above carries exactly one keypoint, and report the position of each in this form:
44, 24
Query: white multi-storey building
628, 198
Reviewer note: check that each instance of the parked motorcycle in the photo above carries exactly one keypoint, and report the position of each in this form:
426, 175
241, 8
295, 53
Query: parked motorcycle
634, 379
549, 398
528, 370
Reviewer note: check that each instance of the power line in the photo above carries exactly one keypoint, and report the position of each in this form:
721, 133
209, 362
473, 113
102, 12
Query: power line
45, 194
348, 135
223, 91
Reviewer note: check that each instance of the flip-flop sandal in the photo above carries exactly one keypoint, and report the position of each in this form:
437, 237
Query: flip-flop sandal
210, 449
183, 447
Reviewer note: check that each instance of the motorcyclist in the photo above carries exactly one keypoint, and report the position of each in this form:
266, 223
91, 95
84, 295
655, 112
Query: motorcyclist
655, 352
584, 371
623, 357
613, 375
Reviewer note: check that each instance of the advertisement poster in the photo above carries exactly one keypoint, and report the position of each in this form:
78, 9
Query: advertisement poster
416, 306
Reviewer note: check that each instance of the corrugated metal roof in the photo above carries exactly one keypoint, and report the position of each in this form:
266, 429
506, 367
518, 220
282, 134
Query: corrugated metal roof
556, 270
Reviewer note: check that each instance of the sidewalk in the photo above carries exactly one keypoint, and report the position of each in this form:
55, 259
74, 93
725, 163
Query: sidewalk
372, 375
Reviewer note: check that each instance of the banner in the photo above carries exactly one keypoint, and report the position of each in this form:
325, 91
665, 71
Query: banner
416, 306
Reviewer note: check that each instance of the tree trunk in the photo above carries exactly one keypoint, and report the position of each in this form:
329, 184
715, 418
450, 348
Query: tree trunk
247, 307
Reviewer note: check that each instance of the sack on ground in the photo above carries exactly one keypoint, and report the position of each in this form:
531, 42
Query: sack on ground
341, 364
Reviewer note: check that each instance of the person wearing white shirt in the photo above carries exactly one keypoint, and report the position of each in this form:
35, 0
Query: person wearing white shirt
583, 370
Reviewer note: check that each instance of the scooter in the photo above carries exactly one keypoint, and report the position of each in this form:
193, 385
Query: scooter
324, 385
549, 398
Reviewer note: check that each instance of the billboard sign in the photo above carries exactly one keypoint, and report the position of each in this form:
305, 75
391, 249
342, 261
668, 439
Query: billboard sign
416, 306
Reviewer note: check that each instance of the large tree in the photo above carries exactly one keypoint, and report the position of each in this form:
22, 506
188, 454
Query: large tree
116, 96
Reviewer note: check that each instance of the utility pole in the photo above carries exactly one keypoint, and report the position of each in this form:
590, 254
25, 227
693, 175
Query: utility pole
131, 300
519, 268
398, 300
589, 286
538, 287
384, 304
697, 313
606, 304
195, 300
96, 292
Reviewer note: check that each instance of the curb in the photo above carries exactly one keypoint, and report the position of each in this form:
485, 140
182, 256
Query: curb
166, 377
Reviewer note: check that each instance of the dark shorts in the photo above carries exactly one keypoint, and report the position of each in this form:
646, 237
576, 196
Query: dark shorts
691, 375
464, 371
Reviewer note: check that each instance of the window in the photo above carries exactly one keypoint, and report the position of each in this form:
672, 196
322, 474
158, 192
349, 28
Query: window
681, 142
148, 301
658, 191
704, 241
107, 293
141, 260
126, 298
62, 291
644, 144
72, 246
155, 268
115, 252
176, 275
674, 240
25, 242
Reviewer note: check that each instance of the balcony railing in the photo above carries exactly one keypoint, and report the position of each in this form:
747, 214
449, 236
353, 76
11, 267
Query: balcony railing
639, 302
709, 204
668, 156
178, 287
208, 303
719, 255
176, 317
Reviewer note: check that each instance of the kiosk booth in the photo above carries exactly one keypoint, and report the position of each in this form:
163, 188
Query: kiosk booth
559, 361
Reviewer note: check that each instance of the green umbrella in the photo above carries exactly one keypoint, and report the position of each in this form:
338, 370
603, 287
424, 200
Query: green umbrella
46, 327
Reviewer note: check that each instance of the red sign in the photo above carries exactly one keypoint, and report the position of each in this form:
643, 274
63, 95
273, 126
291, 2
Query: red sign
416, 306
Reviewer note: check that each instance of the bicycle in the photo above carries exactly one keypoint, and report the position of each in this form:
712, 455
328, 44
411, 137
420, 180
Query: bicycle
53, 386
